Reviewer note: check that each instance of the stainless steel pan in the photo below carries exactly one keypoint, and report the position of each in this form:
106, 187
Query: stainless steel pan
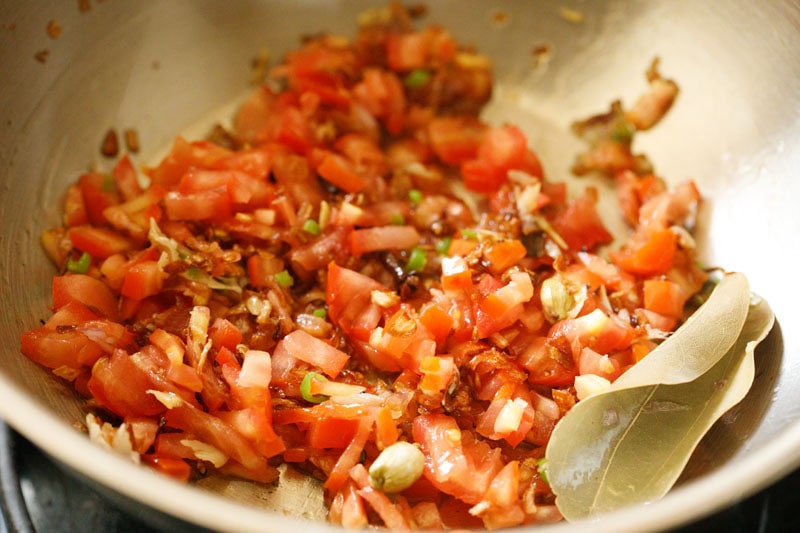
161, 67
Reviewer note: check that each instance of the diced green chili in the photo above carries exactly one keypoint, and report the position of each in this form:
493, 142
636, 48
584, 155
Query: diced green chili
469, 234
81, 265
415, 196
443, 245
417, 78
284, 279
319, 313
416, 260
542, 467
311, 226
397, 219
305, 388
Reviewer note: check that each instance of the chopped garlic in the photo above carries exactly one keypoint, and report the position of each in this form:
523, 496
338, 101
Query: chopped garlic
510, 416
111, 438
590, 384
384, 299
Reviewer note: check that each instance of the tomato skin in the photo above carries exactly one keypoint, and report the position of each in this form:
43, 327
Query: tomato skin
456, 466
87, 290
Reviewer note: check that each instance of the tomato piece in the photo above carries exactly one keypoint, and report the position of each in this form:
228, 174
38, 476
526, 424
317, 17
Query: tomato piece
173, 467
480, 176
143, 432
455, 140
210, 429
407, 51
332, 432
210, 204
87, 290
224, 334
381, 92
348, 296
580, 225
294, 174
597, 330
120, 386
99, 192
504, 254
98, 242
126, 179
648, 253
142, 280
337, 170
350, 456
383, 238
504, 147
436, 320
664, 297
546, 365
55, 348
74, 208
455, 462
331, 246
315, 352
183, 156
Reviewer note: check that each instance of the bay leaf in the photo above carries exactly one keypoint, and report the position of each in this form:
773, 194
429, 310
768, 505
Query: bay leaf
628, 446
699, 343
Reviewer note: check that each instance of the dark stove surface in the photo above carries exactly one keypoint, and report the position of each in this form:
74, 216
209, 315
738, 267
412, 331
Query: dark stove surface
39, 496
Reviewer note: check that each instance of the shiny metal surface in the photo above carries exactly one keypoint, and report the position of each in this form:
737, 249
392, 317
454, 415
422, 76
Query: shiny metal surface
160, 67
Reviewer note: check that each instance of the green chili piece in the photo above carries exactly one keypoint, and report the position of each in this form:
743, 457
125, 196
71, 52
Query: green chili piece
284, 279
81, 265
397, 219
417, 78
305, 388
443, 245
311, 226
416, 260
319, 313
415, 196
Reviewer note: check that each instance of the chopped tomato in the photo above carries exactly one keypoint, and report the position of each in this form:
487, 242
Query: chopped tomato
647, 254
340, 172
580, 225
383, 238
455, 462
84, 289
315, 352
455, 140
